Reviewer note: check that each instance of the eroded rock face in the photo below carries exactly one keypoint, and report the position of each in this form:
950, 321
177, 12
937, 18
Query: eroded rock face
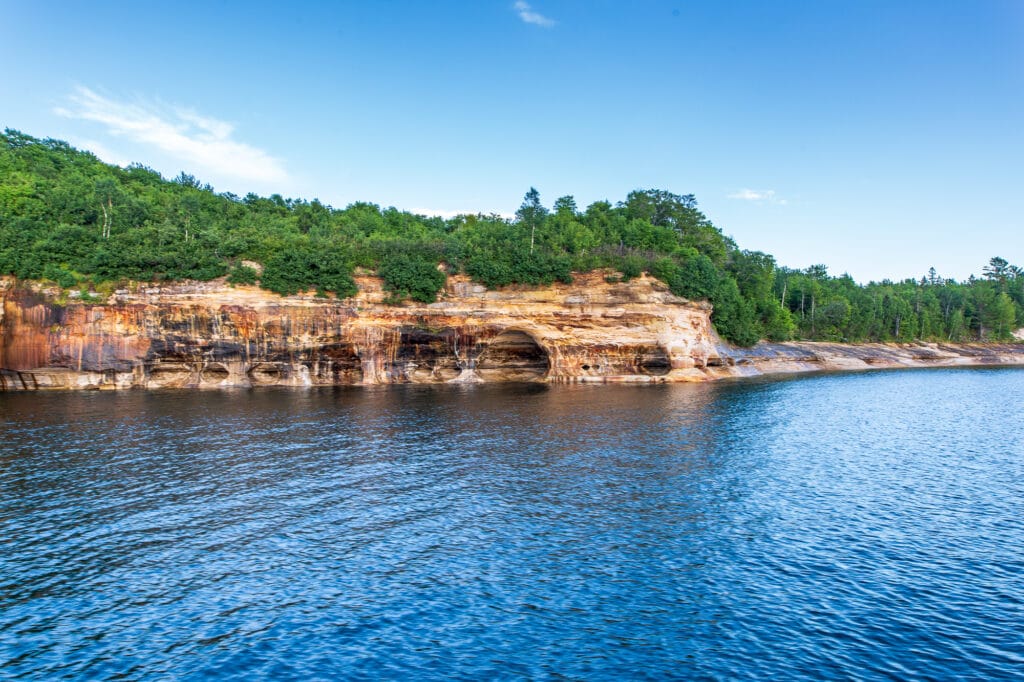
208, 335
201, 335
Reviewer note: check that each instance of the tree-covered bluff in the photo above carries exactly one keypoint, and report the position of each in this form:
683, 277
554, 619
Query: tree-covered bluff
67, 217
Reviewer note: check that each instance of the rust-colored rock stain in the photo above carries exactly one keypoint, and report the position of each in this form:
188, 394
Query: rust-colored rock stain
211, 335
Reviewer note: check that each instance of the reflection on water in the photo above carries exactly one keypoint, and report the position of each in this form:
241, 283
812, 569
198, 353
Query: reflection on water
847, 525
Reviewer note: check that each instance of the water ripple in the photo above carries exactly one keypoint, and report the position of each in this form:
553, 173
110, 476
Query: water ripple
846, 526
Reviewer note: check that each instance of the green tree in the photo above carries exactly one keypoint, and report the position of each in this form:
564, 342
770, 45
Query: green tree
107, 191
998, 269
1002, 316
532, 214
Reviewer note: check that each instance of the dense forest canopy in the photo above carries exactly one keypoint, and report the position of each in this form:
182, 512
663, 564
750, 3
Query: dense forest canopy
67, 217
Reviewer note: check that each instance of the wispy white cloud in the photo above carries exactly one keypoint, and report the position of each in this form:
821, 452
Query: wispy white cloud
205, 143
529, 16
102, 151
767, 195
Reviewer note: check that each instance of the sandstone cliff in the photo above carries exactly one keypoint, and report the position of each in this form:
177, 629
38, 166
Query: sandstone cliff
208, 334
212, 335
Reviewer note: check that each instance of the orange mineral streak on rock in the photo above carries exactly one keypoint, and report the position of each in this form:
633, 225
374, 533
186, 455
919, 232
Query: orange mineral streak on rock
204, 335
27, 328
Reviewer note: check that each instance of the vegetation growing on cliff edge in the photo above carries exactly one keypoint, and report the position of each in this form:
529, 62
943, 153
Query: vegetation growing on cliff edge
67, 217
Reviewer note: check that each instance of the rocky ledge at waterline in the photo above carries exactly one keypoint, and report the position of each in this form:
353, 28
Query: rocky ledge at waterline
211, 335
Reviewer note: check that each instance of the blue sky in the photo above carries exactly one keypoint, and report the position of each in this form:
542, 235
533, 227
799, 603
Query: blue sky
878, 138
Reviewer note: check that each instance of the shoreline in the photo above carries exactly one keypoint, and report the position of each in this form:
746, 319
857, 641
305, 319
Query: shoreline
807, 357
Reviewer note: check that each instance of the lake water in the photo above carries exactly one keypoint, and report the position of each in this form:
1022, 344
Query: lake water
849, 525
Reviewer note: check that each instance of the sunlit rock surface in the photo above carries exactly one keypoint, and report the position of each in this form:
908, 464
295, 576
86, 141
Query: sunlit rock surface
208, 335
211, 335
806, 356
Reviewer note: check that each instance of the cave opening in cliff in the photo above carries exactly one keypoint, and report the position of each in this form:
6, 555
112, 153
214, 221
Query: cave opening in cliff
513, 356
264, 374
170, 375
655, 362
339, 363
427, 355
214, 373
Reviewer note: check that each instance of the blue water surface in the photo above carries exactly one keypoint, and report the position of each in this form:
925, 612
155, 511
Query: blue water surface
866, 526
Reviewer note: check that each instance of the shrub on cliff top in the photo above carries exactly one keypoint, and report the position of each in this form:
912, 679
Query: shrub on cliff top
408, 276
242, 274
515, 265
302, 268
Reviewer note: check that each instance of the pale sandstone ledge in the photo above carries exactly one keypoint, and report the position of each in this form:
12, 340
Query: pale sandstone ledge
207, 335
810, 356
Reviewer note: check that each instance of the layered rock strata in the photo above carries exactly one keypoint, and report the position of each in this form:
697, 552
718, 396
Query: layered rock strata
211, 335
807, 356
205, 335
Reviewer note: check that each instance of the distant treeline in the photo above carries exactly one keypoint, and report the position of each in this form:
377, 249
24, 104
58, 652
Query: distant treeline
67, 217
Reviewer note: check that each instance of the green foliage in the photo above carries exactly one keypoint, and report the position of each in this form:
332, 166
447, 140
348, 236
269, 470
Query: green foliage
532, 214
67, 217
931, 309
734, 316
631, 267
243, 274
518, 266
304, 267
59, 275
407, 275
777, 321
89, 297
